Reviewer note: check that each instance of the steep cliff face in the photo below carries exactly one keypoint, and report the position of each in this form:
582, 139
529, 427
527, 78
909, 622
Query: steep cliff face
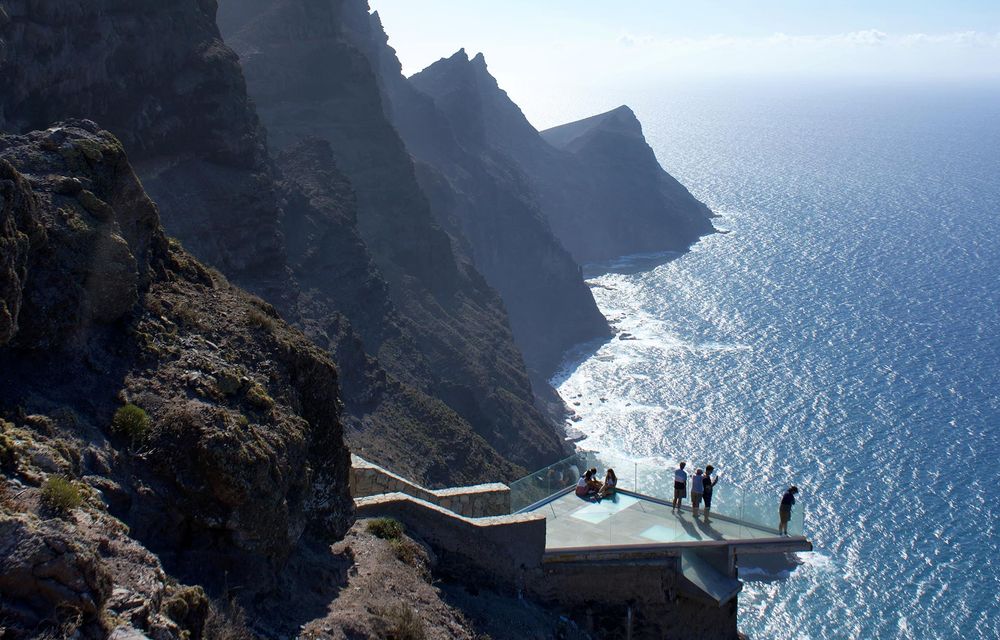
240, 456
308, 80
481, 196
161, 79
644, 208
345, 308
598, 182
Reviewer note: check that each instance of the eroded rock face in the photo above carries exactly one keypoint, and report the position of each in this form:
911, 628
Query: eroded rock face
308, 80
159, 77
16, 226
95, 231
482, 197
244, 456
44, 567
598, 182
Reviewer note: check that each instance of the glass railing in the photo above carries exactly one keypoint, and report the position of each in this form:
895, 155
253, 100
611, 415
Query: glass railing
739, 513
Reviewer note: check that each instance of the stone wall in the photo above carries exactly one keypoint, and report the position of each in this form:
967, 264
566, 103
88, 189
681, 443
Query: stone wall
607, 597
504, 551
477, 501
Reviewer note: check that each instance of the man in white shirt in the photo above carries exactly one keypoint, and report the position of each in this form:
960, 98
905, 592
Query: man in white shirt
680, 484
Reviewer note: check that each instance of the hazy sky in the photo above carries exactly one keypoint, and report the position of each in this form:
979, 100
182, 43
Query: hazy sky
539, 46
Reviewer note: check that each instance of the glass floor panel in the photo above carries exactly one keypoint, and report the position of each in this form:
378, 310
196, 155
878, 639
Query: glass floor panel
627, 520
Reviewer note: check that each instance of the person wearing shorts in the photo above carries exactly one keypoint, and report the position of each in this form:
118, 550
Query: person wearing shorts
680, 485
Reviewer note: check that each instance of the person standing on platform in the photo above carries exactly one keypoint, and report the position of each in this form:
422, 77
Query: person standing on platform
697, 489
680, 485
785, 511
709, 484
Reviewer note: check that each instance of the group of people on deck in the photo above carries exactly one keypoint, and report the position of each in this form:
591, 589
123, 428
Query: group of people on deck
702, 485
703, 482
589, 486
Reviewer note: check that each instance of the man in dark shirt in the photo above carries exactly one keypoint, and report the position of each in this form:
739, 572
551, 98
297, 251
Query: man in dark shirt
785, 511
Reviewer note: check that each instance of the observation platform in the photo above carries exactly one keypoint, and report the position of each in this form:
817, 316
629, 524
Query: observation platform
629, 520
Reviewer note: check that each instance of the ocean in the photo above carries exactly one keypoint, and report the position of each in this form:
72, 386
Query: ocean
842, 335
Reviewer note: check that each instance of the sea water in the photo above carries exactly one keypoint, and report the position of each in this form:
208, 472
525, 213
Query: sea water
843, 335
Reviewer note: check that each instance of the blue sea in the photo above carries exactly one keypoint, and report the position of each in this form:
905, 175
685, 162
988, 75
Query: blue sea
843, 335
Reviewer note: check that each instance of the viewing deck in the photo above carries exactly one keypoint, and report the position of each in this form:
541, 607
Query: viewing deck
628, 519
639, 516
669, 568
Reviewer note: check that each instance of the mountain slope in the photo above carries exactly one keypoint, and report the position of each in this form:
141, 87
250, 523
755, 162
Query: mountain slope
161, 79
598, 182
482, 198
243, 456
308, 81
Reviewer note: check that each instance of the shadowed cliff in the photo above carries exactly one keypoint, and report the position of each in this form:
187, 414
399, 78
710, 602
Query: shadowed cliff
233, 453
308, 80
483, 199
598, 183
160, 78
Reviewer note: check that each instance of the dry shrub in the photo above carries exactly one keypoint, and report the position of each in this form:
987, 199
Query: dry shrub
227, 621
400, 622
259, 319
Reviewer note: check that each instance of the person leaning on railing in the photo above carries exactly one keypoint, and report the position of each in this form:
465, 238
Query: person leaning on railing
785, 510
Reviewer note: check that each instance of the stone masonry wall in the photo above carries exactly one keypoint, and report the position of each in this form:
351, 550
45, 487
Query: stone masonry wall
598, 596
477, 501
504, 551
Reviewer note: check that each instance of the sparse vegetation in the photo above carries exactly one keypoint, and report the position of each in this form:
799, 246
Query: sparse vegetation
227, 621
258, 318
188, 607
60, 494
401, 622
8, 453
6, 497
405, 550
132, 422
187, 315
259, 397
386, 528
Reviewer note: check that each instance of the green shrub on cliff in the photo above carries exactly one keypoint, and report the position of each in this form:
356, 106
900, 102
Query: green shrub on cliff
386, 528
132, 422
60, 494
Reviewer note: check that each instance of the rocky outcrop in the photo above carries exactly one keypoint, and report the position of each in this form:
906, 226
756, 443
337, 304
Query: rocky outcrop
482, 198
598, 183
161, 79
308, 80
240, 455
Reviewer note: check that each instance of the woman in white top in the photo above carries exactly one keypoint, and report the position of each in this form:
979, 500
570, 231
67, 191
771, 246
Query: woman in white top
610, 480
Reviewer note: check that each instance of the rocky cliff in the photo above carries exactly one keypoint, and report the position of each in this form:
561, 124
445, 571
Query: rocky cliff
483, 198
433, 370
161, 79
309, 80
139, 388
598, 183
